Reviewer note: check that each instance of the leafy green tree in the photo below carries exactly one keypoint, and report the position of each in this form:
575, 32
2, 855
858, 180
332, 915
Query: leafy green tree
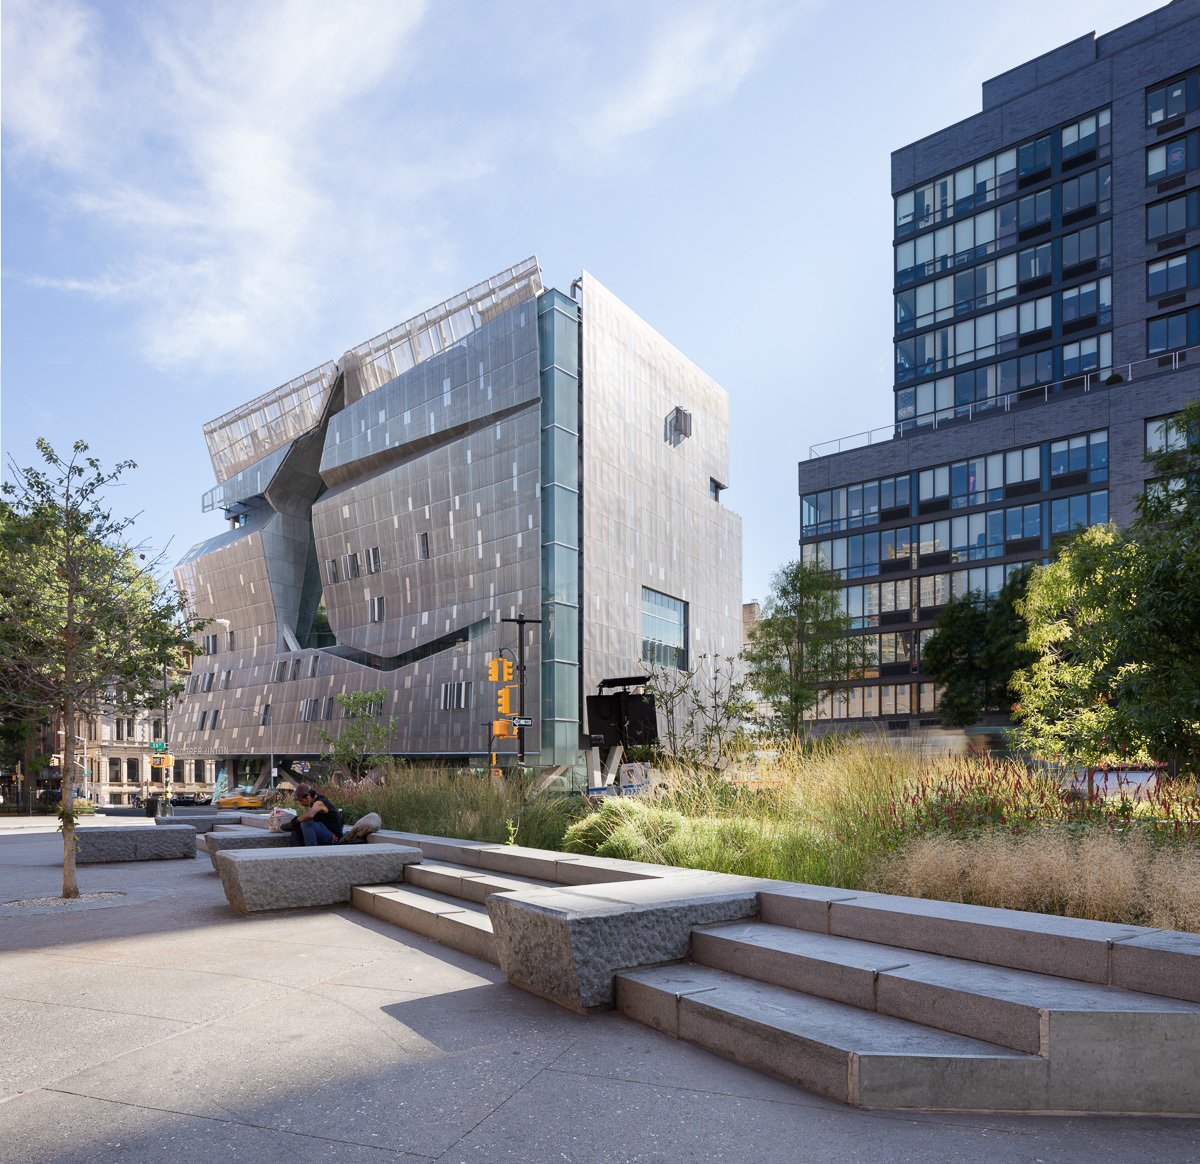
977, 645
1159, 684
1115, 626
1068, 701
364, 740
800, 648
85, 622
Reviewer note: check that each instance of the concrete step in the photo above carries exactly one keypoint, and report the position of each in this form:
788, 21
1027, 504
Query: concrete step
455, 922
469, 884
1014, 1008
1134, 957
832, 1048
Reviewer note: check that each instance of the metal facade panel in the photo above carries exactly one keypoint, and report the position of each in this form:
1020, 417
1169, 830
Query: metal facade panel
649, 517
437, 475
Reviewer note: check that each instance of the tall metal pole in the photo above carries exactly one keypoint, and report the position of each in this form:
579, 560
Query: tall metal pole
521, 622
166, 718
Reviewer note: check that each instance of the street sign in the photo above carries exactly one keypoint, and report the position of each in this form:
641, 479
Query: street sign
522, 721
158, 745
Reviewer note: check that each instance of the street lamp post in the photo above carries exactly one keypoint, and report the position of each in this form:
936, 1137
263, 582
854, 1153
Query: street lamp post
521, 622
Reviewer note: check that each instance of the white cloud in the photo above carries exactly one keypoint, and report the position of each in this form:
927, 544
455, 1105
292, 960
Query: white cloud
49, 78
214, 150
244, 176
698, 56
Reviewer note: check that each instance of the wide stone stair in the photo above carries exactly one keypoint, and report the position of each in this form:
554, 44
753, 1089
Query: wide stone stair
446, 902
954, 1010
870, 999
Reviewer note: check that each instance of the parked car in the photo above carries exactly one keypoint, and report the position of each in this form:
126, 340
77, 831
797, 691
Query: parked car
184, 799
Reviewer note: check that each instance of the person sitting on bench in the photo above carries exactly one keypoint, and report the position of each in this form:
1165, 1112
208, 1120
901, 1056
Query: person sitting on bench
320, 823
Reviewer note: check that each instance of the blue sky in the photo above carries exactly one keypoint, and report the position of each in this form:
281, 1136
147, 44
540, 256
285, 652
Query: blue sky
204, 200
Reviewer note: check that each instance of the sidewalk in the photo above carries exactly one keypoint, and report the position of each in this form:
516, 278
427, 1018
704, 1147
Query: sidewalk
156, 1024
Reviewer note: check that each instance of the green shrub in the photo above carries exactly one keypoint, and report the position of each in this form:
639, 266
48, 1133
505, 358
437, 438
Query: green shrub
465, 803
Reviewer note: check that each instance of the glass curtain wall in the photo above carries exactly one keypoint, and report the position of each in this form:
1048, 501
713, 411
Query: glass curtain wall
558, 341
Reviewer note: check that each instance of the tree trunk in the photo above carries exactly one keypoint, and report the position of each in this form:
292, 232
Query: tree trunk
67, 805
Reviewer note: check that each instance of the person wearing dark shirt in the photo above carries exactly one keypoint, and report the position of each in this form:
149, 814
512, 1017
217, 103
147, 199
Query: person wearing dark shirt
320, 823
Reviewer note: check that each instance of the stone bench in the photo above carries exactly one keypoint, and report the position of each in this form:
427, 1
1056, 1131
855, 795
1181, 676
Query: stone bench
294, 878
134, 843
217, 842
201, 822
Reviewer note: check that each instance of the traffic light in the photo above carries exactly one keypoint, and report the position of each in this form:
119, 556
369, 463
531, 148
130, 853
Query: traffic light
500, 671
505, 700
503, 729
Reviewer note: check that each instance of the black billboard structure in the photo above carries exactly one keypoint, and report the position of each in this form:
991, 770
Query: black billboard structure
622, 717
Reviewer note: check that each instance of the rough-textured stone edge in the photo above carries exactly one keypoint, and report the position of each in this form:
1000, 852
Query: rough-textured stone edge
569, 947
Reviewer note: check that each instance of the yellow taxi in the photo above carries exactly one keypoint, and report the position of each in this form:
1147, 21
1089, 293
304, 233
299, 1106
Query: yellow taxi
240, 798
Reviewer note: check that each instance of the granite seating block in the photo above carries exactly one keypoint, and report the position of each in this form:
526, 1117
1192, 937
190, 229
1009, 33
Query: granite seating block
250, 839
134, 843
295, 878
566, 944
201, 822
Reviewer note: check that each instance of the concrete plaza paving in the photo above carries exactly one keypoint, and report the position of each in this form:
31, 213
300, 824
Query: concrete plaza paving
156, 1024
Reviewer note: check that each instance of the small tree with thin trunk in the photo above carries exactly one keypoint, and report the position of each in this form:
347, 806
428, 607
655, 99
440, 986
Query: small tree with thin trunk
85, 621
702, 709
801, 649
364, 741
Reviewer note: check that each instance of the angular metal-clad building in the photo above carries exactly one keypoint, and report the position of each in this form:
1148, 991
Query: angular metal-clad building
513, 452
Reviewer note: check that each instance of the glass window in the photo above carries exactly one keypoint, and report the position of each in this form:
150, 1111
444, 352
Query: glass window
1172, 216
1092, 244
1033, 209
1163, 436
1088, 299
1166, 101
1036, 262
456, 696
664, 629
1166, 275
1034, 156
1169, 333
1091, 189
1088, 133
1167, 159
1087, 355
